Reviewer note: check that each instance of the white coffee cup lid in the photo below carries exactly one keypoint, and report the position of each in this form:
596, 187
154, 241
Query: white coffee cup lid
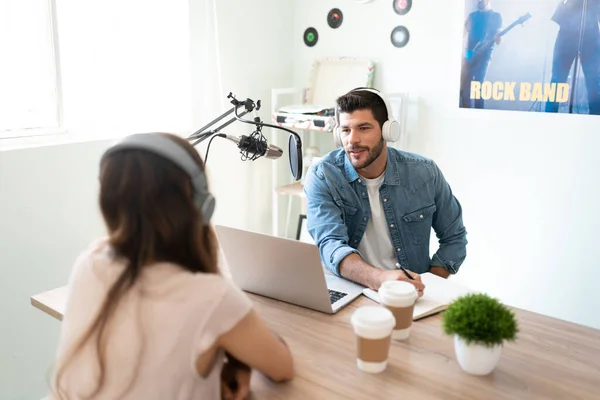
375, 317
398, 289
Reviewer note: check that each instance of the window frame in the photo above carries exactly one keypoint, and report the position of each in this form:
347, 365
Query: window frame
59, 128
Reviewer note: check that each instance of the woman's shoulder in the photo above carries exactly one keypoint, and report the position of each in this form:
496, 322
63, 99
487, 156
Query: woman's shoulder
96, 250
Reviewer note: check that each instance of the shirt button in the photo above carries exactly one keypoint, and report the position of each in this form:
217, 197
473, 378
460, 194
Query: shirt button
355, 240
385, 200
398, 249
363, 193
421, 216
359, 181
365, 218
392, 225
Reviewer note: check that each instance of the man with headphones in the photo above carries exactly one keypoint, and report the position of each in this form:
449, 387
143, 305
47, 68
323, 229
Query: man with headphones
371, 208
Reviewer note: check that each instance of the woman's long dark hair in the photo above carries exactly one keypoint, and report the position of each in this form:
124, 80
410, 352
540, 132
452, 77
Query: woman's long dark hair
148, 208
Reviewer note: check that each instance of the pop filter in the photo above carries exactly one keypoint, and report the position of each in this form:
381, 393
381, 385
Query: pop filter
295, 153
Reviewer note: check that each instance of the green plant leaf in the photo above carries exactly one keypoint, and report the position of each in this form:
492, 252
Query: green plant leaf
479, 318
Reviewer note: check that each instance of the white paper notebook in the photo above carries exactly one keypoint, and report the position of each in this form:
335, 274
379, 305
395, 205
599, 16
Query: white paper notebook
438, 295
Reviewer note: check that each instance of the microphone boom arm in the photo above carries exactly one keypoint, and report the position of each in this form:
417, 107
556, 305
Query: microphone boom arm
202, 134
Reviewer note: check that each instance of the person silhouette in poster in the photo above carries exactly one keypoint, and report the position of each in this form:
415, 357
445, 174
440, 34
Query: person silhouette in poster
481, 25
578, 20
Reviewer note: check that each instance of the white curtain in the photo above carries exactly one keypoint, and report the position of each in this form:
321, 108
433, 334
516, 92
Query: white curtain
227, 176
207, 80
243, 48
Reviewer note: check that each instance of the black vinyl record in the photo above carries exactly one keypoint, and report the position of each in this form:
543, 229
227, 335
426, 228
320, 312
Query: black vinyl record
400, 36
311, 36
402, 7
335, 18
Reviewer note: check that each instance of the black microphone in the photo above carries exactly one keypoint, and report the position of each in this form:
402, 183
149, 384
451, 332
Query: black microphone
255, 147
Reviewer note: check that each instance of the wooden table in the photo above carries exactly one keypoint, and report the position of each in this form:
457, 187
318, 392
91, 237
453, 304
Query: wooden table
551, 359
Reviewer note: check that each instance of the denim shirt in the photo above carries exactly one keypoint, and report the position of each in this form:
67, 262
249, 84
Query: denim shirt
415, 198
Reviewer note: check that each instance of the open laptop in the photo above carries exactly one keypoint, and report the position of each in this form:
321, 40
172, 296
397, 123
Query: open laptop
283, 269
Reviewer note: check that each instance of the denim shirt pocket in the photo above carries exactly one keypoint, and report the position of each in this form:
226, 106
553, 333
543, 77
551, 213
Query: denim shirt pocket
348, 210
419, 224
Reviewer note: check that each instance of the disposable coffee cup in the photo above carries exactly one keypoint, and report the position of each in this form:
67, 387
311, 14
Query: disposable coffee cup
399, 297
373, 328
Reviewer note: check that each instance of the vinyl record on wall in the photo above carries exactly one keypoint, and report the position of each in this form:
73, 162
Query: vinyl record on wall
311, 36
402, 7
335, 18
400, 36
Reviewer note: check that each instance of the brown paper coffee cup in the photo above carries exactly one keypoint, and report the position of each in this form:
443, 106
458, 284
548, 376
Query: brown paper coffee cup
373, 327
399, 297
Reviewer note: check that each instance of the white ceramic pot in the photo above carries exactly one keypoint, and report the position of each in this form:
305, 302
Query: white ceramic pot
475, 358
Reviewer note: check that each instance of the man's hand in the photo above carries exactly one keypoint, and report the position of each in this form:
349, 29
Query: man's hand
235, 380
398, 275
355, 269
498, 39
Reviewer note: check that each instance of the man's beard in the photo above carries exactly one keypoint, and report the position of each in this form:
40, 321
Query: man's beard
372, 154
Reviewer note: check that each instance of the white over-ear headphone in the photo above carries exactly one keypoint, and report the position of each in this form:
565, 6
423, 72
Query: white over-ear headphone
390, 129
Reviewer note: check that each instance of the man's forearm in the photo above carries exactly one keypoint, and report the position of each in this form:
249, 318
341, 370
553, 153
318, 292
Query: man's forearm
439, 271
355, 269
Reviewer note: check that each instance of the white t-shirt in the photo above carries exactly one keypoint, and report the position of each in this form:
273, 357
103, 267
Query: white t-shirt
376, 245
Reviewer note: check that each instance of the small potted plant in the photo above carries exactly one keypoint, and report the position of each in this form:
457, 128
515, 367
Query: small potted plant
480, 325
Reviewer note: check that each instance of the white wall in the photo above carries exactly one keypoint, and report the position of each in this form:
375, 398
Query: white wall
48, 214
48, 209
528, 182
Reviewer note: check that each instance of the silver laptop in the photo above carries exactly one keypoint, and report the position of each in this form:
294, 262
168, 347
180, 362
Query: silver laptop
283, 269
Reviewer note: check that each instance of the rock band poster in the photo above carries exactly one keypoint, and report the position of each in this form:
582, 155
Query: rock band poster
531, 55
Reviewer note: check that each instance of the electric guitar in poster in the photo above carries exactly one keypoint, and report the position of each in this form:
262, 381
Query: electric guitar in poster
473, 56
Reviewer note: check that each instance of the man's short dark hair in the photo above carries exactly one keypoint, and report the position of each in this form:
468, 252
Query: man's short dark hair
363, 100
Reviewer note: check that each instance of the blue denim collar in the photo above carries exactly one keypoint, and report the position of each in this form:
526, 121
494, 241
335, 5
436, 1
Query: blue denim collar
392, 168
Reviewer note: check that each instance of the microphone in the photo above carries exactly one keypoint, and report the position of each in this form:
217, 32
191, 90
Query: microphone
255, 147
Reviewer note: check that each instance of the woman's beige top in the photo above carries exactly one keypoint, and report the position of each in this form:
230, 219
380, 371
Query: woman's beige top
165, 321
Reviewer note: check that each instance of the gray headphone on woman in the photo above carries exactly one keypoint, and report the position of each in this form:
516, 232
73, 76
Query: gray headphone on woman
390, 129
172, 151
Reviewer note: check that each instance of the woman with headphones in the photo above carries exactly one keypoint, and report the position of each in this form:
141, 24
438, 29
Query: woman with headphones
148, 314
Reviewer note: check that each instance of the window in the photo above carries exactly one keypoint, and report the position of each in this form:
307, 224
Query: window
121, 67
30, 101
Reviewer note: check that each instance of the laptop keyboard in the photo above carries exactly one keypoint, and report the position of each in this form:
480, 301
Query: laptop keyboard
335, 295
